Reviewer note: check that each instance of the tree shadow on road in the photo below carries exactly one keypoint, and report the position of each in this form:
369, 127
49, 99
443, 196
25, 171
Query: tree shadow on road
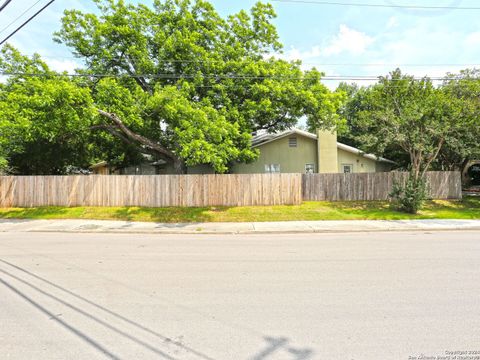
84, 337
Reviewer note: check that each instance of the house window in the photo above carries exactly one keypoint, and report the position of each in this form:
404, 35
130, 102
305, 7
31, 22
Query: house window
292, 142
309, 168
347, 169
272, 168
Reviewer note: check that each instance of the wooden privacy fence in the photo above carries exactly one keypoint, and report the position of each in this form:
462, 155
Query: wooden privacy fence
151, 190
210, 190
375, 186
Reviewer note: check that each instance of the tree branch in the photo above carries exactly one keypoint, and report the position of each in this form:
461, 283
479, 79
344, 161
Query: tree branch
433, 156
127, 135
142, 82
112, 130
272, 124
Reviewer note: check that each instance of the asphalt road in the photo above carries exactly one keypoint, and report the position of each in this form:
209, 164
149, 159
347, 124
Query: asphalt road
257, 297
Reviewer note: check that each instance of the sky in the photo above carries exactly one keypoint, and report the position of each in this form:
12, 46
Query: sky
337, 40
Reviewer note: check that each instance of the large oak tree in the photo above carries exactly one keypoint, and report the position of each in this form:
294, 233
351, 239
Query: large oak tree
185, 85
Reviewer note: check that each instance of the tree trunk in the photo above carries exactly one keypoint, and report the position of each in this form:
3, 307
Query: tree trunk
179, 166
121, 131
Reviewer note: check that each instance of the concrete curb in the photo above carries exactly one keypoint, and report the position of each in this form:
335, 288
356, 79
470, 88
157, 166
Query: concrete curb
406, 230
292, 227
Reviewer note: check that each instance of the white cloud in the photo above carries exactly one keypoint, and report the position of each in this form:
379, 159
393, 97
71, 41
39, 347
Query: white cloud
296, 54
392, 22
423, 49
408, 47
473, 39
419, 47
348, 40
62, 65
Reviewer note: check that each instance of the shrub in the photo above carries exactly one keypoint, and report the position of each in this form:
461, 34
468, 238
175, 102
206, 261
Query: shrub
3, 165
409, 197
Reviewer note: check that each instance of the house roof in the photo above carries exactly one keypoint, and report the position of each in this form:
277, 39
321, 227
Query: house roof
265, 138
99, 165
362, 153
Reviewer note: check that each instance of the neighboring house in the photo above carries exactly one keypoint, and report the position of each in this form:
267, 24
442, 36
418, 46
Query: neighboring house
471, 174
291, 151
146, 168
159, 167
298, 151
100, 168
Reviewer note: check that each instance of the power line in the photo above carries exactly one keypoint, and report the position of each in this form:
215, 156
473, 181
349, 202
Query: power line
15, 20
218, 76
319, 64
415, 7
389, 64
26, 22
4, 5
164, 76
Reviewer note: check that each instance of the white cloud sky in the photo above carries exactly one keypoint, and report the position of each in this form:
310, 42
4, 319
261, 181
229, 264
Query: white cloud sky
348, 40
473, 39
296, 54
423, 48
337, 40
62, 65
392, 22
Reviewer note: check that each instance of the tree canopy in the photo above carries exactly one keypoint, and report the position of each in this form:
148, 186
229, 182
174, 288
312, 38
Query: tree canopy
414, 122
174, 81
412, 117
182, 83
464, 144
44, 117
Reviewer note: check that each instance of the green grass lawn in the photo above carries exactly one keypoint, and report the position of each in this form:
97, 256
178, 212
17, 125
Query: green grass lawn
468, 208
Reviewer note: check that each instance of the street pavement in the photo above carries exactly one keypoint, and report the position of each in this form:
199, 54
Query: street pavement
400, 295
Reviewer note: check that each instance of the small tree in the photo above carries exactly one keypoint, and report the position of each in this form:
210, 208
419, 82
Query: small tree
415, 117
410, 196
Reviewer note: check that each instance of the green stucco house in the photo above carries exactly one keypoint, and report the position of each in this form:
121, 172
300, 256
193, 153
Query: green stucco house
298, 151
291, 151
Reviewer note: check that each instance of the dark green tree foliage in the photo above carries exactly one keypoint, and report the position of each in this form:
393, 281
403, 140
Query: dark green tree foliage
187, 86
353, 128
44, 120
464, 145
176, 82
356, 102
410, 196
458, 98
422, 125
412, 116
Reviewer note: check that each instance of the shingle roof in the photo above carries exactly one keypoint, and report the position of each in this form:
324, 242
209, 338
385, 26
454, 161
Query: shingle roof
263, 138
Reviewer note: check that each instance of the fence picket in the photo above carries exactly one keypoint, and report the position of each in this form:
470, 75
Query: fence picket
375, 186
211, 190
